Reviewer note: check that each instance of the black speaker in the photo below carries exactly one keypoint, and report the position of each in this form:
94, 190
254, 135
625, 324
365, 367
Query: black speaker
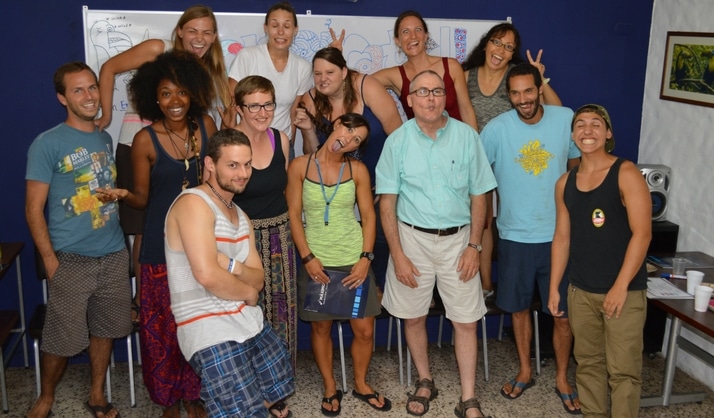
658, 179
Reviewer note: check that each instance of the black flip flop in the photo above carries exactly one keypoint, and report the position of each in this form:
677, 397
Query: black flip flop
387, 405
96, 409
332, 413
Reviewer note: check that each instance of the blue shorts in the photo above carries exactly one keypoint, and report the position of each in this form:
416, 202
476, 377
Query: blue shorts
520, 267
237, 377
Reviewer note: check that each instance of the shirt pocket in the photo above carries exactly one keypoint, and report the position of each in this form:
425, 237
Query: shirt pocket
459, 176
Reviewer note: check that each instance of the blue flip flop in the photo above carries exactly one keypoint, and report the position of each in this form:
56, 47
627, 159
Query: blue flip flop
569, 397
520, 385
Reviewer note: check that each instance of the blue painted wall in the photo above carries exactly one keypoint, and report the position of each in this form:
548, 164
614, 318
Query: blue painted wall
594, 52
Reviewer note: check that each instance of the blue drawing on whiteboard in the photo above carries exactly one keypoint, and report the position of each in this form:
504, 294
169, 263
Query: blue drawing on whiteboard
107, 41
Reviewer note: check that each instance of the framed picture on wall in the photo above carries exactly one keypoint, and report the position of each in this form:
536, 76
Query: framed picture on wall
688, 74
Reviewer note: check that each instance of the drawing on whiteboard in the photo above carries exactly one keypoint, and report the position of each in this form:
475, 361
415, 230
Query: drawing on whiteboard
368, 45
107, 41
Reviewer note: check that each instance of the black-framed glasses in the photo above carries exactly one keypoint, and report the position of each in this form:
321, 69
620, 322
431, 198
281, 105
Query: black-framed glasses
255, 108
498, 44
424, 92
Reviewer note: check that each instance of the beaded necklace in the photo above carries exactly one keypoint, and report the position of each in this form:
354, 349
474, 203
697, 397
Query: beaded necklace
229, 205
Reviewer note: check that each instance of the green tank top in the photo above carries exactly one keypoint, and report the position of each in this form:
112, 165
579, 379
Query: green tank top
339, 243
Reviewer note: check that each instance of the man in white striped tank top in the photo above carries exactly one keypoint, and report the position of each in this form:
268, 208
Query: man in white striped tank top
215, 275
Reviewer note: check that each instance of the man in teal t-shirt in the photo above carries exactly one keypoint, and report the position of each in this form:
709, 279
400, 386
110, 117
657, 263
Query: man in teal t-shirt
81, 244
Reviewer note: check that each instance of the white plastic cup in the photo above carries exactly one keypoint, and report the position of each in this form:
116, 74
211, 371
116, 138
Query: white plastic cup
678, 264
694, 279
702, 294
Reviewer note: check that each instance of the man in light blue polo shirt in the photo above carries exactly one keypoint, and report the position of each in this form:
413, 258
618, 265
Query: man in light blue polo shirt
432, 177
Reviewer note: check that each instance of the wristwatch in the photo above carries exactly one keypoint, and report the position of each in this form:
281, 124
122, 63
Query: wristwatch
368, 255
476, 247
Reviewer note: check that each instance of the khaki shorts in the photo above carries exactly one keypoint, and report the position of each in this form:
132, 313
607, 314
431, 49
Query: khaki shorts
436, 258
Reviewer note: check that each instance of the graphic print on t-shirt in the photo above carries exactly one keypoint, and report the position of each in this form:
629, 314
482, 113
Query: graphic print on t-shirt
91, 171
533, 157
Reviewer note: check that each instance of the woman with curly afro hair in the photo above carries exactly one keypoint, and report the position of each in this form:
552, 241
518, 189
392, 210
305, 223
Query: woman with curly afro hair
174, 92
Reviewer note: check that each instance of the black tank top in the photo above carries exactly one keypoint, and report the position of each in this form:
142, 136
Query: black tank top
264, 196
599, 234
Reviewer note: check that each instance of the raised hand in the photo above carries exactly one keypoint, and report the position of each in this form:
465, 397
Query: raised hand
337, 41
536, 63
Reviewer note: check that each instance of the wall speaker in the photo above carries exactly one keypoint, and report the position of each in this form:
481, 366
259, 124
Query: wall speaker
658, 179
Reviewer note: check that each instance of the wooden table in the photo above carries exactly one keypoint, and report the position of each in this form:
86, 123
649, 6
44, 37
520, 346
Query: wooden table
681, 311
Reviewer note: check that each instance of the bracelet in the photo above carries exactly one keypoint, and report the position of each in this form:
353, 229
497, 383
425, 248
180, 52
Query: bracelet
231, 264
546, 80
307, 258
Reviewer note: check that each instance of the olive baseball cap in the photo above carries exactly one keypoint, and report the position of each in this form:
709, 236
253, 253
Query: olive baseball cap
602, 112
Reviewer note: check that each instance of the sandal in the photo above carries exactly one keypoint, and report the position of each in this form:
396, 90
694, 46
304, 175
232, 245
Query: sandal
135, 313
386, 404
276, 409
95, 410
462, 406
195, 408
423, 400
334, 412
173, 411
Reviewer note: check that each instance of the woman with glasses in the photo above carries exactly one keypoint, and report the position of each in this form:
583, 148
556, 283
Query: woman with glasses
325, 185
485, 72
264, 202
411, 36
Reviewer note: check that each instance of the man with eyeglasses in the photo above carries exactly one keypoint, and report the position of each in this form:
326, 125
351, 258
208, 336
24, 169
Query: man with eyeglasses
432, 177
529, 148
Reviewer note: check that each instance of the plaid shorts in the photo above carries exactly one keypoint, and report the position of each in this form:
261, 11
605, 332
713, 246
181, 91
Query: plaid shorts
87, 296
237, 377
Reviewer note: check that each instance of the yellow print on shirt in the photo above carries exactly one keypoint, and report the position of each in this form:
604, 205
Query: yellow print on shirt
533, 158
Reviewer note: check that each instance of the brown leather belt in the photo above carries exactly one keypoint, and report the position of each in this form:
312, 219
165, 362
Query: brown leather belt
438, 232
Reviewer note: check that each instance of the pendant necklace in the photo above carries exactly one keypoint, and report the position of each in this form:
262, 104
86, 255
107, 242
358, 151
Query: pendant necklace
229, 205
184, 183
322, 187
185, 143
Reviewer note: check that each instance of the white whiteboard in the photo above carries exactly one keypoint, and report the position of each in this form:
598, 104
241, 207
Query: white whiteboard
368, 47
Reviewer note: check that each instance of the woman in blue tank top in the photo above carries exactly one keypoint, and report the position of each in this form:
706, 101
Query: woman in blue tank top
174, 91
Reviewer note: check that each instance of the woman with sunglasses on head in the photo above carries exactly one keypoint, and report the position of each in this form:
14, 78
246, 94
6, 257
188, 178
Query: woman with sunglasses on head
289, 73
485, 72
411, 36
263, 200
174, 91
325, 185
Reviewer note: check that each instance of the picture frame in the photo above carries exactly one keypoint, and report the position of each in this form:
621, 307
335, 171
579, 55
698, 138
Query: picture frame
688, 73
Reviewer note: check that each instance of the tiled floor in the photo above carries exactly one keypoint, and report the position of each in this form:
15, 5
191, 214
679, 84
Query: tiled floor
539, 401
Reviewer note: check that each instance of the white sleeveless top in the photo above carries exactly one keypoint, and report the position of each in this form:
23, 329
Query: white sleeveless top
204, 320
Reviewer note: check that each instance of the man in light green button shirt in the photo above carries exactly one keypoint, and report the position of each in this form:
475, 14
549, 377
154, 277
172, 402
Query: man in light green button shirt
432, 177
